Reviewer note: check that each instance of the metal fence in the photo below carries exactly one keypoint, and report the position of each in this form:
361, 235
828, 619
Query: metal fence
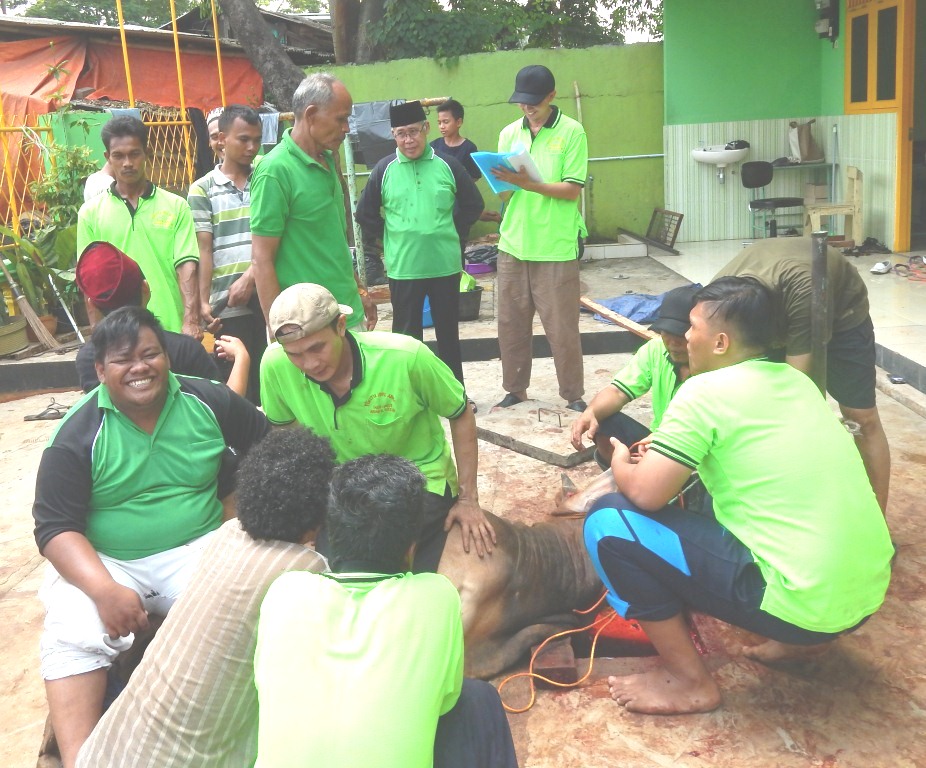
172, 145
22, 164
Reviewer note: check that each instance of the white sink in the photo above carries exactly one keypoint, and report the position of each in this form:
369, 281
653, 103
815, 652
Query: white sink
717, 155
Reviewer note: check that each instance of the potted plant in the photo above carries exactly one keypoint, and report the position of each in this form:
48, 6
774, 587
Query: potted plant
28, 269
12, 331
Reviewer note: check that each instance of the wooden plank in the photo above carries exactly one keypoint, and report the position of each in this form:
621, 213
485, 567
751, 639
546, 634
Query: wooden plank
534, 428
624, 322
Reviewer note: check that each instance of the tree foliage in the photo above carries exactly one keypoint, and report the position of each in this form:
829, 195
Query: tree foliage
410, 28
145, 13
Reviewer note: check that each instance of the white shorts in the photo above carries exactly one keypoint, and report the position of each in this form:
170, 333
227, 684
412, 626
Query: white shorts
75, 640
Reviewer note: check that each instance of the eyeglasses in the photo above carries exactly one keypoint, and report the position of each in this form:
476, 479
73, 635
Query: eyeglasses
411, 133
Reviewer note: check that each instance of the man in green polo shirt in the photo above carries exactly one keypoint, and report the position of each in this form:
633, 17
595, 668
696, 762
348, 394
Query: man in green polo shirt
126, 498
538, 246
149, 224
659, 366
376, 393
782, 264
798, 553
298, 220
421, 205
371, 655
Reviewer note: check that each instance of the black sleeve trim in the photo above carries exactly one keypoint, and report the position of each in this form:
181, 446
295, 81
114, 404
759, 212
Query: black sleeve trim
64, 481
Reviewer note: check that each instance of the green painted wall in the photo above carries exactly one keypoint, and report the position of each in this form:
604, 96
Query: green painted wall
622, 99
731, 60
78, 127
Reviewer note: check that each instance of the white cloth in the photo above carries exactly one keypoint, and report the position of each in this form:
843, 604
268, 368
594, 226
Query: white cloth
96, 184
75, 640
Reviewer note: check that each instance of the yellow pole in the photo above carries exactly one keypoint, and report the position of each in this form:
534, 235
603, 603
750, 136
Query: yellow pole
218, 52
186, 129
125, 53
9, 173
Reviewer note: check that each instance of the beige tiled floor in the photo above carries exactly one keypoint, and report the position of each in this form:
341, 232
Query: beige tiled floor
898, 305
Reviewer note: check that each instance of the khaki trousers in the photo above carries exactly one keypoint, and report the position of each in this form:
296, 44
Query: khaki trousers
551, 288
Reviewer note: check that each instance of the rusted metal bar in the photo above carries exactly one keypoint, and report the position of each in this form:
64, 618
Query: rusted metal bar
819, 310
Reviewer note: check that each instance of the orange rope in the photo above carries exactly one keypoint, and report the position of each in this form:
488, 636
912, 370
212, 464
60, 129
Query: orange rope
534, 676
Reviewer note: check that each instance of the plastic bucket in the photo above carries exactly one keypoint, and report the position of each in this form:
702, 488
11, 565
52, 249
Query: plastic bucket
470, 302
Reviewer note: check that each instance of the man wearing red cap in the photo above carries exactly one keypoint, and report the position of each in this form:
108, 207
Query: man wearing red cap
422, 206
538, 268
150, 223
109, 280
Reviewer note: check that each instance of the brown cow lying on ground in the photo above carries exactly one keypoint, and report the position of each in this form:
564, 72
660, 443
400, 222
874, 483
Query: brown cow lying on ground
527, 588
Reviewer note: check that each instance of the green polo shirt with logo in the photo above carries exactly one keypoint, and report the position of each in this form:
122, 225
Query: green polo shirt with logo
399, 392
299, 200
650, 370
804, 508
134, 494
537, 227
158, 235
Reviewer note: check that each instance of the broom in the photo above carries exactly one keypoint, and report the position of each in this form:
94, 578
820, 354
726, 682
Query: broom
41, 333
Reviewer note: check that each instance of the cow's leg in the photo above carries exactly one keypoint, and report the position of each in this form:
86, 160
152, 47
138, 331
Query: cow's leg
493, 656
581, 501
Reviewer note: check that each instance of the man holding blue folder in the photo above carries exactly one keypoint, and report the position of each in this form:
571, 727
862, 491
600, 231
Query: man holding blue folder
538, 269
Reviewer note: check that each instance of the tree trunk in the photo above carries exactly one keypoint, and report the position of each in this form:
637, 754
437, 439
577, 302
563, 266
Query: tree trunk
371, 11
345, 15
280, 75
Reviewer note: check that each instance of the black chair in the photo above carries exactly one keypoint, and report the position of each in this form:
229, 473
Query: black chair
755, 175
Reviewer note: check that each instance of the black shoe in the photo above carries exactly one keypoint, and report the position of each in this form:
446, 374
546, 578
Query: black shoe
577, 405
508, 400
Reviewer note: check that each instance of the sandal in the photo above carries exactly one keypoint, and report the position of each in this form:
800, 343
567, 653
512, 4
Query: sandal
52, 412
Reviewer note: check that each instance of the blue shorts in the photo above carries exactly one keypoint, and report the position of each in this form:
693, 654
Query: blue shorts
654, 566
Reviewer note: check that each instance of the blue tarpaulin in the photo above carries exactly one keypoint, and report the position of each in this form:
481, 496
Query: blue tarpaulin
642, 308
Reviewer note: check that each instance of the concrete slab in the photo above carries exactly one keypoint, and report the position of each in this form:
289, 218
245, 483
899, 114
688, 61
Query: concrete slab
537, 429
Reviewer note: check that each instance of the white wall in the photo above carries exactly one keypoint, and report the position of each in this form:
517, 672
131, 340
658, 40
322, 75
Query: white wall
715, 211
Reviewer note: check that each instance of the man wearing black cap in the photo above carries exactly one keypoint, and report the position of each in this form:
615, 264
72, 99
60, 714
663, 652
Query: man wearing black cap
422, 206
659, 366
538, 268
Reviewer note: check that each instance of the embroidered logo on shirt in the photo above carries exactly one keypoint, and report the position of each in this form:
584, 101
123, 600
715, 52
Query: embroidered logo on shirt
163, 220
381, 402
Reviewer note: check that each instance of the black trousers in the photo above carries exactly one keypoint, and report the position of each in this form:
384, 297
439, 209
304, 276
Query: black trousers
475, 733
444, 296
252, 331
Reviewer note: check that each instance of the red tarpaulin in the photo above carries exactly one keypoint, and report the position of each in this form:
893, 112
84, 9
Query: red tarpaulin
40, 75
154, 77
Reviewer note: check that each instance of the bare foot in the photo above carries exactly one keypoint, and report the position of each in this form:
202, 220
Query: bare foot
771, 651
660, 693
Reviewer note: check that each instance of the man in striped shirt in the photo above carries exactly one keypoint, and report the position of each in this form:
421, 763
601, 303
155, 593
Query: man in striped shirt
192, 700
221, 204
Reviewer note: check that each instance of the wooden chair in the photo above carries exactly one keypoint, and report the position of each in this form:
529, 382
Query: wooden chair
851, 209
